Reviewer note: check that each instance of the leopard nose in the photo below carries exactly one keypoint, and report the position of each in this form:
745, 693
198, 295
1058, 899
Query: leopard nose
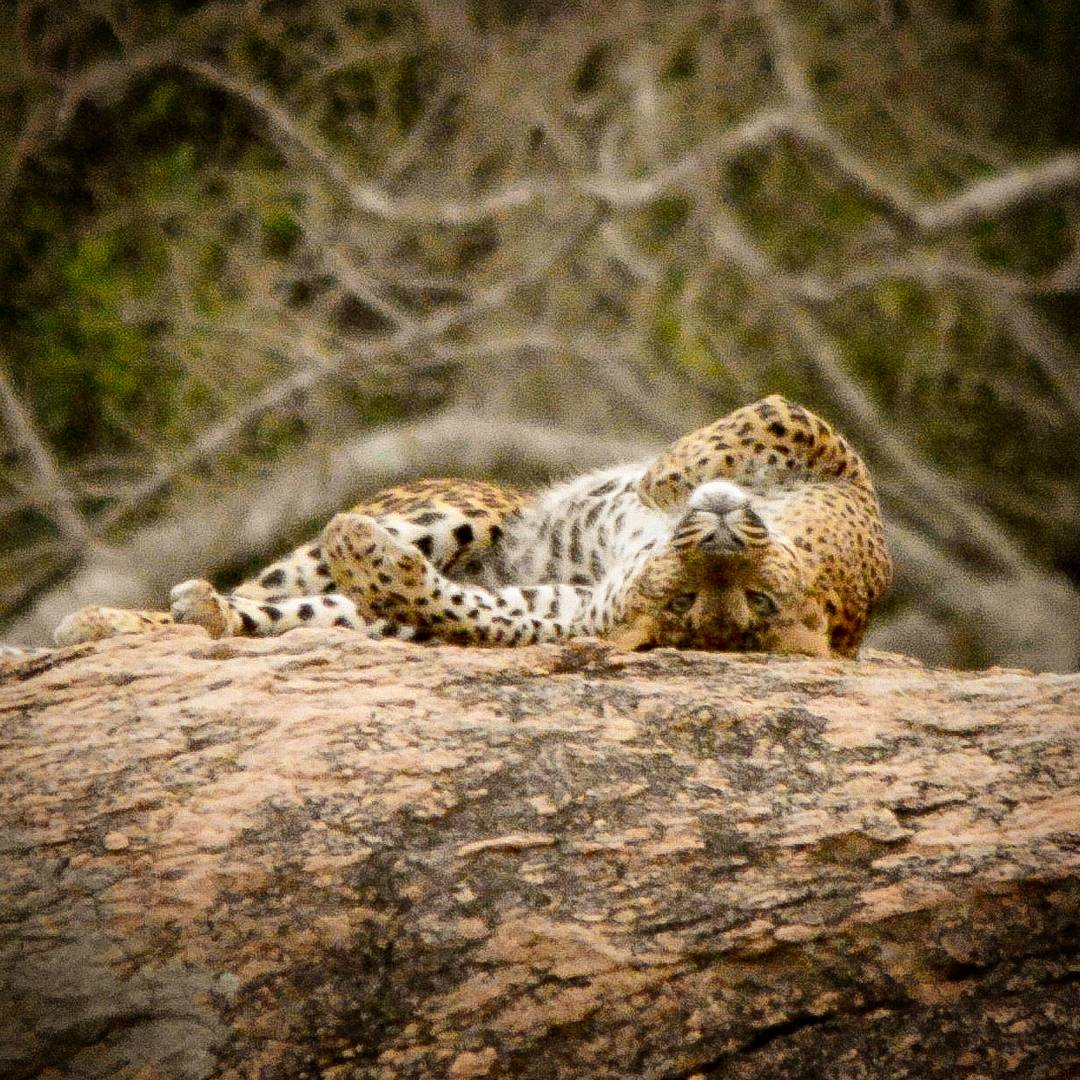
739, 614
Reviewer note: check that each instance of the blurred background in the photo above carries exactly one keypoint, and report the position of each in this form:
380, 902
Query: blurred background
262, 258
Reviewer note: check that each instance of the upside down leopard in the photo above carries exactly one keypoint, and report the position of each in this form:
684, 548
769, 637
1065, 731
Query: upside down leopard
759, 532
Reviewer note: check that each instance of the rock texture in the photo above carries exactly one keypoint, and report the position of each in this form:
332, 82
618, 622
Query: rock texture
320, 856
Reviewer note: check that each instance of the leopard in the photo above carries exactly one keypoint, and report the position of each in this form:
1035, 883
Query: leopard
760, 532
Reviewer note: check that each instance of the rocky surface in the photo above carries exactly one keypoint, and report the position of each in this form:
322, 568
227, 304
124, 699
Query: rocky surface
319, 856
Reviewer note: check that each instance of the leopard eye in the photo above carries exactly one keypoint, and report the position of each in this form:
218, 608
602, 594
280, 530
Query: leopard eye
761, 604
682, 603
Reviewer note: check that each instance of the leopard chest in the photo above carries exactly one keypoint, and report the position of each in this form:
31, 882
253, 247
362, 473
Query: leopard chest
577, 533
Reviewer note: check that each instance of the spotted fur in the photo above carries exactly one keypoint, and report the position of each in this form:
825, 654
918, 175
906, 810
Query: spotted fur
761, 531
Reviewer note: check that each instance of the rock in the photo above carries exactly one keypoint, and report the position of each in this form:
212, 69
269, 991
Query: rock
359, 859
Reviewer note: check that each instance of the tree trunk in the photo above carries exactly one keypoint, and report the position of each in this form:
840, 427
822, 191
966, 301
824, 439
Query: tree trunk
320, 856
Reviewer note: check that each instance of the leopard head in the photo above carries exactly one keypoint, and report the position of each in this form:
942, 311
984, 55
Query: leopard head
754, 600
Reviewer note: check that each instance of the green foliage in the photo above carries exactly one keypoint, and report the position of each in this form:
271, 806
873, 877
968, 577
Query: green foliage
87, 367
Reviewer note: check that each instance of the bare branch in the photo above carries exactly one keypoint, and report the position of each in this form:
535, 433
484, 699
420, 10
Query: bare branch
360, 283
984, 198
603, 350
364, 196
50, 118
322, 369
1041, 342
625, 193
998, 195
49, 489
789, 69
931, 270
878, 190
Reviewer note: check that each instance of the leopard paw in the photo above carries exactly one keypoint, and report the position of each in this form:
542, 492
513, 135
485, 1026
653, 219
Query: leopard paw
382, 573
196, 603
94, 623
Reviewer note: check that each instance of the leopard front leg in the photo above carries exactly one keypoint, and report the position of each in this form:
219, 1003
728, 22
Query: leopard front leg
93, 623
391, 579
197, 603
